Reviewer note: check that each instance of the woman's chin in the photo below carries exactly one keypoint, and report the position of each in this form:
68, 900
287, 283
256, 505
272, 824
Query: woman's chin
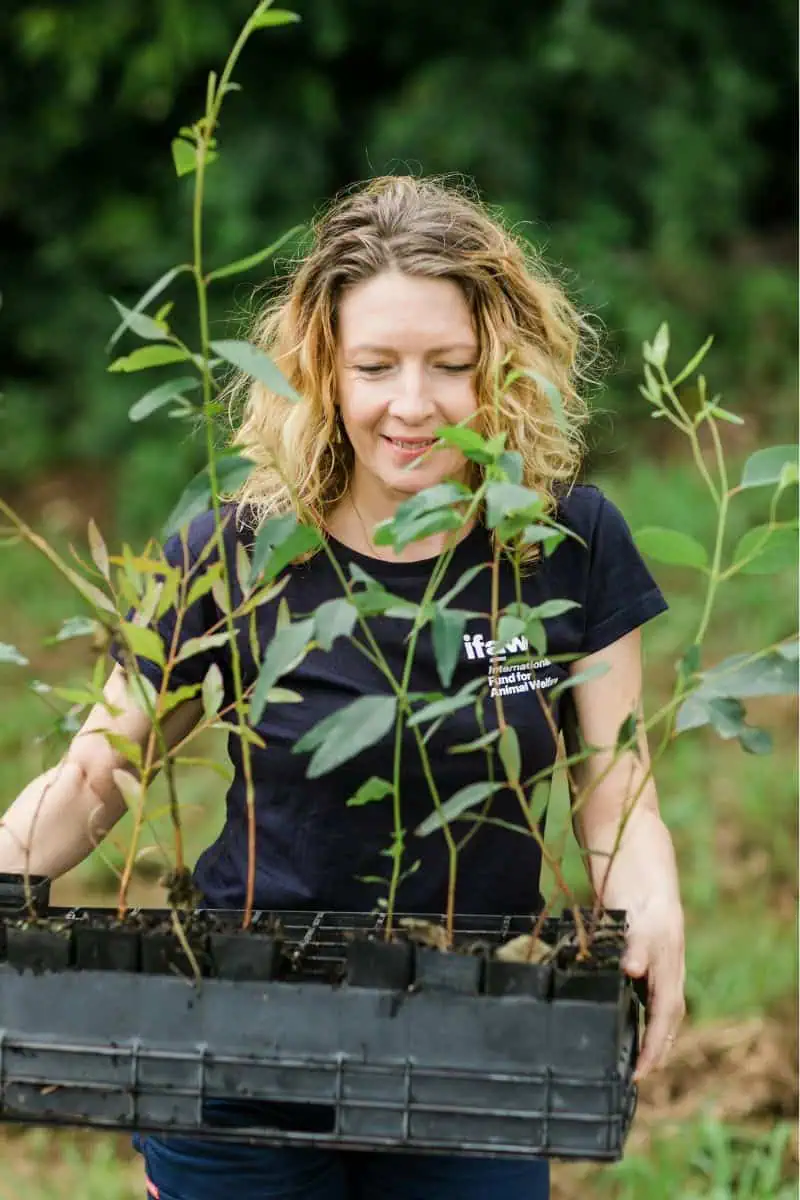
408, 483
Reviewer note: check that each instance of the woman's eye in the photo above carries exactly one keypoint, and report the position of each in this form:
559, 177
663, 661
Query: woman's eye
457, 368
372, 368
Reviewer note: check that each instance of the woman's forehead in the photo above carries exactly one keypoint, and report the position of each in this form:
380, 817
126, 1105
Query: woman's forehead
391, 307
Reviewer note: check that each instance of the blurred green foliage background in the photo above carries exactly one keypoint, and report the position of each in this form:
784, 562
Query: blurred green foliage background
649, 154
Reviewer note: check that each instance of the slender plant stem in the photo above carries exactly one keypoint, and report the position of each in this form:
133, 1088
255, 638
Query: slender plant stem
205, 136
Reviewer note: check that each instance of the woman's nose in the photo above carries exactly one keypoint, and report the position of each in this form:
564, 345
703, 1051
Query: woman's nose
412, 397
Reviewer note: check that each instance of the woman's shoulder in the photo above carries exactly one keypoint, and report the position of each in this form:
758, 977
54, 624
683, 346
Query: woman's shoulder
196, 533
580, 507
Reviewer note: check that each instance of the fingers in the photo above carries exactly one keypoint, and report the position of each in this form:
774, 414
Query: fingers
655, 950
666, 1010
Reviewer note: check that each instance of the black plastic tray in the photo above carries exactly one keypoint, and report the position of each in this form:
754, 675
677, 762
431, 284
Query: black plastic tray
421, 1069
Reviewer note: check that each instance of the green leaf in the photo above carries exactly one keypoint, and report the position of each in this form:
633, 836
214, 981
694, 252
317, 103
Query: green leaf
279, 542
333, 619
273, 17
431, 499
789, 475
397, 847
593, 672
75, 627
508, 749
464, 580
727, 716
723, 414
508, 628
672, 547
399, 534
97, 548
376, 601
554, 396
144, 642
213, 691
626, 735
142, 325
504, 500
232, 471
263, 595
89, 591
789, 650
510, 461
694, 362
184, 156
479, 743
152, 292
536, 635
130, 788
373, 789
11, 655
345, 733
552, 608
658, 351
764, 468
281, 695
468, 441
169, 700
149, 356
243, 569
448, 631
202, 584
287, 648
253, 260
777, 549
159, 397
199, 645
187, 760
537, 534
258, 365
755, 740
689, 663
448, 704
125, 746
740, 676
464, 799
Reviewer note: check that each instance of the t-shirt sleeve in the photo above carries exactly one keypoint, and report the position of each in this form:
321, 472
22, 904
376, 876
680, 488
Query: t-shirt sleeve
188, 551
621, 592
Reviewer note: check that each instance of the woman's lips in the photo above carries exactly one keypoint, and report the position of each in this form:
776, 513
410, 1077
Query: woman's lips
409, 447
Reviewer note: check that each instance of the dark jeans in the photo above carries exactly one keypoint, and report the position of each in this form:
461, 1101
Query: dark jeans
195, 1169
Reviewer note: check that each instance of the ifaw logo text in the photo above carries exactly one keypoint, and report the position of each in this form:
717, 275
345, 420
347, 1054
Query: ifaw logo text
507, 679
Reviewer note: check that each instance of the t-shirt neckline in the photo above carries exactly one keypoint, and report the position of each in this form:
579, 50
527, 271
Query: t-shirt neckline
419, 568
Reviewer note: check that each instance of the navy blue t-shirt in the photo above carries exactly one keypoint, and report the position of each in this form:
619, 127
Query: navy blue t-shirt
313, 851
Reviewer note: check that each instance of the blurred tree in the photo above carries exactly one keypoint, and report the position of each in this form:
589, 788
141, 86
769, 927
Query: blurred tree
647, 151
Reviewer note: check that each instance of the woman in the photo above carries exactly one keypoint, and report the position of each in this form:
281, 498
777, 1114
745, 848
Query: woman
411, 303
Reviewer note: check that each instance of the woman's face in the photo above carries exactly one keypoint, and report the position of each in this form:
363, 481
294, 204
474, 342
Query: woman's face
407, 352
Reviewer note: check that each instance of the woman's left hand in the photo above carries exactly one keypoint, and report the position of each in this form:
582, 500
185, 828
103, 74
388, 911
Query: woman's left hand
630, 853
655, 951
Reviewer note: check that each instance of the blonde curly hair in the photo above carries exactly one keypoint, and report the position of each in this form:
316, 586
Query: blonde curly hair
527, 329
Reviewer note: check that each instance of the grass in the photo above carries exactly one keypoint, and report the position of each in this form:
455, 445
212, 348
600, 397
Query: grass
733, 818
706, 1159
41, 1165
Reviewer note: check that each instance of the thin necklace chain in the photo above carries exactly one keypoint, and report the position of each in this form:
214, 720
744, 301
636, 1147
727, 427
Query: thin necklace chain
369, 539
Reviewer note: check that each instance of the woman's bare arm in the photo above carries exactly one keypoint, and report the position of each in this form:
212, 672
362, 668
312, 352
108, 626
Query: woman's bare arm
642, 876
58, 819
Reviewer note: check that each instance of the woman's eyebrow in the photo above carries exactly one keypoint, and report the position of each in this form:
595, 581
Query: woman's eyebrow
469, 346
